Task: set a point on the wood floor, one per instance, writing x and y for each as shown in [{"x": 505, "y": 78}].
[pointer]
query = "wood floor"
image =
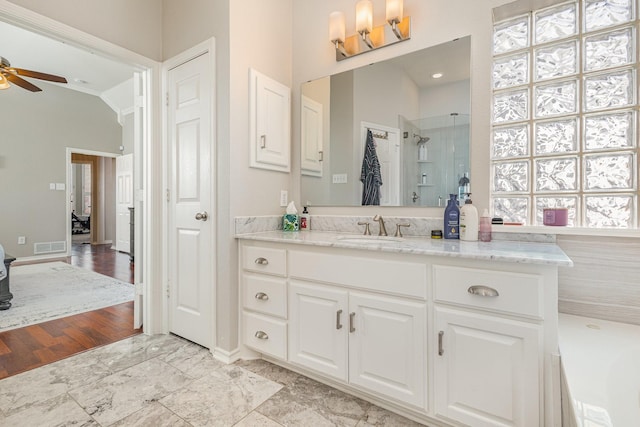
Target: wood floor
[{"x": 27, "y": 348}]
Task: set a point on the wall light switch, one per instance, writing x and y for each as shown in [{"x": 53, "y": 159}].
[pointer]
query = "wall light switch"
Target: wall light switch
[
  {"x": 60, "y": 186},
  {"x": 339, "y": 178},
  {"x": 52, "y": 186},
  {"x": 22, "y": 240},
  {"x": 284, "y": 197}
]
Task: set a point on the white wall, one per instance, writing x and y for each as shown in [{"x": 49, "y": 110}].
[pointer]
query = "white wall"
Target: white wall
[{"x": 134, "y": 25}]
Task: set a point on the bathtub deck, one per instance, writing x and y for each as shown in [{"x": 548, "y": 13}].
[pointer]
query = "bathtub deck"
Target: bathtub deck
[{"x": 600, "y": 363}]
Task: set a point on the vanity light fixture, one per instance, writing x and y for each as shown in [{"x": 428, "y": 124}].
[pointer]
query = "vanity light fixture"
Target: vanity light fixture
[{"x": 368, "y": 37}]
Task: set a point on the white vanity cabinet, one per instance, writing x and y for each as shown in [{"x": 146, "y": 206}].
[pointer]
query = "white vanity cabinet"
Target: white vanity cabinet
[
  {"x": 264, "y": 300},
  {"x": 350, "y": 320},
  {"x": 489, "y": 361},
  {"x": 444, "y": 339}
]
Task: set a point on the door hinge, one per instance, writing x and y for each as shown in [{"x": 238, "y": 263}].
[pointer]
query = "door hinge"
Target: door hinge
[
  {"x": 168, "y": 195},
  {"x": 168, "y": 289},
  {"x": 166, "y": 99}
]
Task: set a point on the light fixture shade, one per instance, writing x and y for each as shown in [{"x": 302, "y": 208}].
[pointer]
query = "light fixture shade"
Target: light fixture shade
[
  {"x": 336, "y": 27},
  {"x": 394, "y": 11},
  {"x": 364, "y": 16},
  {"x": 4, "y": 84}
]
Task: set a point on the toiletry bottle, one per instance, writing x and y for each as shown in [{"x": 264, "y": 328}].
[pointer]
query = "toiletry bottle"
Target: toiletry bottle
[
  {"x": 485, "y": 227},
  {"x": 452, "y": 218},
  {"x": 305, "y": 220},
  {"x": 464, "y": 188},
  {"x": 468, "y": 221}
]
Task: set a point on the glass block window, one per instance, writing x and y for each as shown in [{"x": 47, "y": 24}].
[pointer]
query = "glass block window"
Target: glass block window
[{"x": 565, "y": 114}]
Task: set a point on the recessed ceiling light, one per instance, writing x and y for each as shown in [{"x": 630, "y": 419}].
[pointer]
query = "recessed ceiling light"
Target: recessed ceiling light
[{"x": 437, "y": 75}]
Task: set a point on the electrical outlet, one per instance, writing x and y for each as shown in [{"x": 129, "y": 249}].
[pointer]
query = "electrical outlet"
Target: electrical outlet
[
  {"x": 284, "y": 197},
  {"x": 22, "y": 240}
]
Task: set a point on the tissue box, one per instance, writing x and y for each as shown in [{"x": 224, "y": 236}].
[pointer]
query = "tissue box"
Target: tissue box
[
  {"x": 555, "y": 216},
  {"x": 290, "y": 222}
]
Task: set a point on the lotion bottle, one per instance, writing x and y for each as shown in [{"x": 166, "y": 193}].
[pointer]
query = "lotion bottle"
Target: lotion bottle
[
  {"x": 468, "y": 221},
  {"x": 452, "y": 218}
]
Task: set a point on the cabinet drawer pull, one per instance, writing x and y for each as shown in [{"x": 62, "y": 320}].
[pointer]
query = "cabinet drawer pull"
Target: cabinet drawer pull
[
  {"x": 440, "y": 349},
  {"x": 262, "y": 296},
  {"x": 352, "y": 328},
  {"x": 261, "y": 335},
  {"x": 338, "y": 324},
  {"x": 262, "y": 261},
  {"x": 483, "y": 291}
]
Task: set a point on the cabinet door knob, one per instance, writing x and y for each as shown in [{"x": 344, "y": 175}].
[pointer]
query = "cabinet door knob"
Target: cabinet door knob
[
  {"x": 262, "y": 296},
  {"x": 262, "y": 335},
  {"x": 262, "y": 261},
  {"x": 440, "y": 348},
  {"x": 352, "y": 327},
  {"x": 338, "y": 324},
  {"x": 483, "y": 291}
]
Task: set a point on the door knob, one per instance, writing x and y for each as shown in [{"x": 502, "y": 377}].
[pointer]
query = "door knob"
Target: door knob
[{"x": 202, "y": 216}]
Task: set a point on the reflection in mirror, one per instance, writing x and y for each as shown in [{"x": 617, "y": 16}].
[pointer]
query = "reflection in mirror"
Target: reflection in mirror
[{"x": 419, "y": 125}]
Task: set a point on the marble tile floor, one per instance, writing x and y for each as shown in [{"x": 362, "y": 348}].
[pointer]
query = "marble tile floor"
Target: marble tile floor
[{"x": 164, "y": 380}]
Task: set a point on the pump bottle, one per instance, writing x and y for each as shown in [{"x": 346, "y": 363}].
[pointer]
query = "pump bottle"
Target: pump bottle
[{"x": 468, "y": 221}]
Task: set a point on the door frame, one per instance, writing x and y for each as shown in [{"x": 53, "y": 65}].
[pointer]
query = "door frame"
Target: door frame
[
  {"x": 69, "y": 164},
  {"x": 149, "y": 161},
  {"x": 208, "y": 46}
]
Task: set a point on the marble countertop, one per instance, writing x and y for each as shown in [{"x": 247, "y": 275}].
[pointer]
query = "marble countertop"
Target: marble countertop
[{"x": 507, "y": 251}]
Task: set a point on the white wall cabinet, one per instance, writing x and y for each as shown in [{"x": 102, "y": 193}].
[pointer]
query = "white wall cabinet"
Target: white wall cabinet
[
  {"x": 269, "y": 122},
  {"x": 448, "y": 341},
  {"x": 311, "y": 137}
]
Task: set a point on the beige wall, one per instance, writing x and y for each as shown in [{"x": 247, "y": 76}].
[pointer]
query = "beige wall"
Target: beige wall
[
  {"x": 135, "y": 25},
  {"x": 36, "y": 129}
]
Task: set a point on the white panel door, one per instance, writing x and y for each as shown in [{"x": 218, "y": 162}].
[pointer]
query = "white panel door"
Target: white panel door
[
  {"x": 124, "y": 200},
  {"x": 191, "y": 207},
  {"x": 311, "y": 137},
  {"x": 386, "y": 346},
  {"x": 488, "y": 372},
  {"x": 318, "y": 328}
]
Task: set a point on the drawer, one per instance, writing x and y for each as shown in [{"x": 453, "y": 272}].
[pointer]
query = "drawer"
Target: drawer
[
  {"x": 265, "y": 294},
  {"x": 264, "y": 260},
  {"x": 265, "y": 334},
  {"x": 517, "y": 293},
  {"x": 389, "y": 276}
]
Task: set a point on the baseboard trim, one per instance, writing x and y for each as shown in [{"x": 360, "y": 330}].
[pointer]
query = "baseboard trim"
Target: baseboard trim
[
  {"x": 39, "y": 258},
  {"x": 225, "y": 356}
]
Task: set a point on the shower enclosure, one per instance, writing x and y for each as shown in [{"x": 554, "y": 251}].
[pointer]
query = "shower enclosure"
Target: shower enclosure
[{"x": 435, "y": 155}]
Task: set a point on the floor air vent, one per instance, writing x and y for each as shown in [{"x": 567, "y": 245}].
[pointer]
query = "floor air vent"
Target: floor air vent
[{"x": 49, "y": 247}]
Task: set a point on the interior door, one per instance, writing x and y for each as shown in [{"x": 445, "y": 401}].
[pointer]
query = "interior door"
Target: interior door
[
  {"x": 124, "y": 200},
  {"x": 191, "y": 237}
]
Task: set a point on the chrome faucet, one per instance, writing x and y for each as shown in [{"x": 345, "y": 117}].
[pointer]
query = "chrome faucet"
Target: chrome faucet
[{"x": 383, "y": 230}]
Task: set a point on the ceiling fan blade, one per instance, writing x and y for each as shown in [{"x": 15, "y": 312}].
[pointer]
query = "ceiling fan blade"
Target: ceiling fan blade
[
  {"x": 21, "y": 82},
  {"x": 39, "y": 75}
]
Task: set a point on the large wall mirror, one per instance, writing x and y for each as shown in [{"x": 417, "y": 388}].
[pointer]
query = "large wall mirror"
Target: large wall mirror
[{"x": 419, "y": 124}]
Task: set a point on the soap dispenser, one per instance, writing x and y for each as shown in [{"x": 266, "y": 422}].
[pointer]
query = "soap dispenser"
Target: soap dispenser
[
  {"x": 452, "y": 218},
  {"x": 484, "y": 232}
]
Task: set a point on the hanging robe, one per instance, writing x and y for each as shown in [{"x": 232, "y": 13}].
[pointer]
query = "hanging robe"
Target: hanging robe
[{"x": 370, "y": 174}]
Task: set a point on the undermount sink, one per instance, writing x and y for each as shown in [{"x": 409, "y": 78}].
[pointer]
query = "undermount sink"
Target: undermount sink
[{"x": 369, "y": 239}]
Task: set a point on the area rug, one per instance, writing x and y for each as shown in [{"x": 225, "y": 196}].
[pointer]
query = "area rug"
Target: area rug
[{"x": 51, "y": 290}]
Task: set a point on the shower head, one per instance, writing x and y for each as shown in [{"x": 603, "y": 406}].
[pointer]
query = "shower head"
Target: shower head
[{"x": 421, "y": 139}]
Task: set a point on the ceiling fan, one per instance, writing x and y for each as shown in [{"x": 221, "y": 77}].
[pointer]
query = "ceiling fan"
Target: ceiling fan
[{"x": 11, "y": 74}]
